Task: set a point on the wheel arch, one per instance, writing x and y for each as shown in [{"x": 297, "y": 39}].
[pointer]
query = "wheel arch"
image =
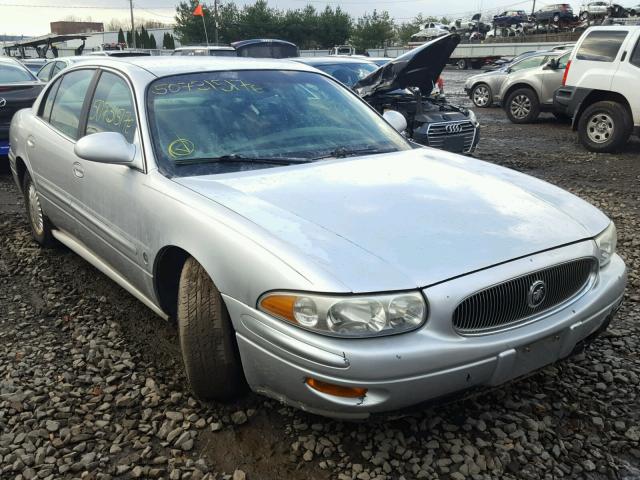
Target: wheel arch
[
  {"x": 516, "y": 86},
  {"x": 599, "y": 96},
  {"x": 21, "y": 170},
  {"x": 167, "y": 268}
]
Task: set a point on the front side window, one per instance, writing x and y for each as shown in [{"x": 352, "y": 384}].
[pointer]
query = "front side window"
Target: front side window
[
  {"x": 67, "y": 106},
  {"x": 10, "y": 73},
  {"x": 45, "y": 72},
  {"x": 217, "y": 122},
  {"x": 112, "y": 108},
  {"x": 528, "y": 63},
  {"x": 601, "y": 46}
]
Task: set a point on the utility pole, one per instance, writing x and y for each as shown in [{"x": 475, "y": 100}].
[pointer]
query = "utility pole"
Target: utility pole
[
  {"x": 133, "y": 28},
  {"x": 534, "y": 8},
  {"x": 215, "y": 20}
]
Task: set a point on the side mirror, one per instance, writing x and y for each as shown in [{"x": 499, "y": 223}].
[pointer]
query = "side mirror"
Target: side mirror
[
  {"x": 396, "y": 120},
  {"x": 552, "y": 65},
  {"x": 106, "y": 147}
]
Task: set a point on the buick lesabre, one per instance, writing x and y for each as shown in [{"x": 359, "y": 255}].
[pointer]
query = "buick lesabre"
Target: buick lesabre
[{"x": 304, "y": 247}]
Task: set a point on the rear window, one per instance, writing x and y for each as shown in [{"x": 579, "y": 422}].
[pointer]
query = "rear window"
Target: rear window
[
  {"x": 14, "y": 74},
  {"x": 601, "y": 46}
]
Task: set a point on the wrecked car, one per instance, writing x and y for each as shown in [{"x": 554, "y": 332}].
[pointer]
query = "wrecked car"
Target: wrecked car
[
  {"x": 303, "y": 246},
  {"x": 405, "y": 84}
]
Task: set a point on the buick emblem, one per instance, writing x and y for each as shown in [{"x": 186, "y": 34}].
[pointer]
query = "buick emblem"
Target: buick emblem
[
  {"x": 453, "y": 128},
  {"x": 537, "y": 294},
  {"x": 3, "y": 102}
]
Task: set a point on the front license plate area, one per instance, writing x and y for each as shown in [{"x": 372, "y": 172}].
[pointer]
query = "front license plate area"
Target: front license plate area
[
  {"x": 537, "y": 355},
  {"x": 454, "y": 144}
]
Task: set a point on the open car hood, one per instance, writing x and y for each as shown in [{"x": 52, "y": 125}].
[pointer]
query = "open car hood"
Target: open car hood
[{"x": 419, "y": 67}]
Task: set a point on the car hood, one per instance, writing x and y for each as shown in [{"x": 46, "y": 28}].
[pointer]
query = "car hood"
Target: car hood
[
  {"x": 401, "y": 220},
  {"x": 419, "y": 67}
]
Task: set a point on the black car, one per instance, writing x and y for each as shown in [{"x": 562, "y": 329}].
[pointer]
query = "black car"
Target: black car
[
  {"x": 554, "y": 13},
  {"x": 18, "y": 89},
  {"x": 510, "y": 18},
  {"x": 405, "y": 84}
]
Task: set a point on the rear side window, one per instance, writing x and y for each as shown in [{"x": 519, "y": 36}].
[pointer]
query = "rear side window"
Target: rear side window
[
  {"x": 112, "y": 108},
  {"x": 601, "y": 46},
  {"x": 67, "y": 106},
  {"x": 45, "y": 72},
  {"x": 635, "y": 58}
]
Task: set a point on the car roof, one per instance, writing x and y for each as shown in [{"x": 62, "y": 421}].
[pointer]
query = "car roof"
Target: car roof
[
  {"x": 161, "y": 66},
  {"x": 205, "y": 47},
  {"x": 331, "y": 60}
]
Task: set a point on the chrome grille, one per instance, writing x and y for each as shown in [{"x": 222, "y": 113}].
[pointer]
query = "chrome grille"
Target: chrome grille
[
  {"x": 507, "y": 304},
  {"x": 437, "y": 134}
]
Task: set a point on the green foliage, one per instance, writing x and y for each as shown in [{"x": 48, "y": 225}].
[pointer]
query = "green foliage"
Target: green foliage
[
  {"x": 168, "y": 41},
  {"x": 374, "y": 30},
  {"x": 152, "y": 42},
  {"x": 121, "y": 36},
  {"x": 129, "y": 39}
]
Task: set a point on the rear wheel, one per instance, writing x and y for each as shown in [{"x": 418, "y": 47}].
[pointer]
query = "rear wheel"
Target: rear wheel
[
  {"x": 462, "y": 64},
  {"x": 556, "y": 18},
  {"x": 207, "y": 338},
  {"x": 481, "y": 96},
  {"x": 605, "y": 127},
  {"x": 40, "y": 225},
  {"x": 522, "y": 106}
]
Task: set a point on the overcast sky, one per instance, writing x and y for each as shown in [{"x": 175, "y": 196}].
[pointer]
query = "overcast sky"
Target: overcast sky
[{"x": 32, "y": 17}]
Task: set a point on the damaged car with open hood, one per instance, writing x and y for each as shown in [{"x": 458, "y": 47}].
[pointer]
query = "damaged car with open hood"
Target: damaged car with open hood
[{"x": 405, "y": 84}]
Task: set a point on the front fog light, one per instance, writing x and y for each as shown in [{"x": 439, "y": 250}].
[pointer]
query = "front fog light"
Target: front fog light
[{"x": 607, "y": 242}]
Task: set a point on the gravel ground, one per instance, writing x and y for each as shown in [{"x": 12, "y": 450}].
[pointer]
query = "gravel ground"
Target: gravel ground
[{"x": 91, "y": 384}]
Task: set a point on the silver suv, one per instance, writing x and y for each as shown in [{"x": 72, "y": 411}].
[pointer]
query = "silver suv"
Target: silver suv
[{"x": 527, "y": 93}]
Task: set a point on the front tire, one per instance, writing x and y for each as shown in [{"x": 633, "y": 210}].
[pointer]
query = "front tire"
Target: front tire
[
  {"x": 481, "y": 96},
  {"x": 462, "y": 64},
  {"x": 40, "y": 224},
  {"x": 522, "y": 106},
  {"x": 207, "y": 338},
  {"x": 604, "y": 127}
]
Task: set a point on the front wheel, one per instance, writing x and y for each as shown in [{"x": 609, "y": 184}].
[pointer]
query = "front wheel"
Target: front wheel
[
  {"x": 40, "y": 225},
  {"x": 604, "y": 127},
  {"x": 462, "y": 64},
  {"x": 207, "y": 338},
  {"x": 522, "y": 106},
  {"x": 481, "y": 96}
]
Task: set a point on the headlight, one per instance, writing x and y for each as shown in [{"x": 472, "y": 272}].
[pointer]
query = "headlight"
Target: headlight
[
  {"x": 606, "y": 243},
  {"x": 473, "y": 118},
  {"x": 348, "y": 316}
]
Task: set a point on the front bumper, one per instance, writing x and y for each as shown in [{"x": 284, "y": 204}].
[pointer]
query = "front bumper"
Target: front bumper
[{"x": 407, "y": 369}]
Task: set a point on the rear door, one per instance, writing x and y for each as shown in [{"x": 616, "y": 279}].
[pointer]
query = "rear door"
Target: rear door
[
  {"x": 51, "y": 142},
  {"x": 593, "y": 66},
  {"x": 626, "y": 78}
]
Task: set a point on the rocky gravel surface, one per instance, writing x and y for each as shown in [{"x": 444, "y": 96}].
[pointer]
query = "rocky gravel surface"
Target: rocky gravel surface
[{"x": 91, "y": 384}]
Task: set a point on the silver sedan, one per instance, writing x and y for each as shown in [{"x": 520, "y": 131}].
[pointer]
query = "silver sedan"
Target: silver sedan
[{"x": 303, "y": 246}]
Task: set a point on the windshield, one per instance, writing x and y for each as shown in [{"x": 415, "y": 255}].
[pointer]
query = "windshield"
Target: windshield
[
  {"x": 218, "y": 122},
  {"x": 14, "y": 74},
  {"x": 348, "y": 73}
]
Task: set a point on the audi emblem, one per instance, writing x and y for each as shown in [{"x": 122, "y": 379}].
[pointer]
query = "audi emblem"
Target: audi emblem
[
  {"x": 3, "y": 102},
  {"x": 453, "y": 128}
]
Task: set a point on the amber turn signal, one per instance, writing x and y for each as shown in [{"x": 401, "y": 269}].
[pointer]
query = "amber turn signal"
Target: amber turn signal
[
  {"x": 280, "y": 305},
  {"x": 336, "y": 390}
]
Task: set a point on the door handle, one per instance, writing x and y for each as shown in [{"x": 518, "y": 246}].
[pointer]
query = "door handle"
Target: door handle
[
  {"x": 78, "y": 171},
  {"x": 31, "y": 142}
]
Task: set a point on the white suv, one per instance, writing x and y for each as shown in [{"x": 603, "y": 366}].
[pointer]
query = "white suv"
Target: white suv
[{"x": 600, "y": 87}]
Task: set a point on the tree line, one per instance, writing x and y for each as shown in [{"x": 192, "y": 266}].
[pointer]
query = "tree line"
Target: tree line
[
  {"x": 144, "y": 39},
  {"x": 307, "y": 27}
]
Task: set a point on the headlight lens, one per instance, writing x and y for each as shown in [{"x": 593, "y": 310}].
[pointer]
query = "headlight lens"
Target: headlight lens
[
  {"x": 607, "y": 242},
  {"x": 348, "y": 316}
]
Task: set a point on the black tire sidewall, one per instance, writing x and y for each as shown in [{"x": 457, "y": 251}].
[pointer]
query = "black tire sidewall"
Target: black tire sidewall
[
  {"x": 45, "y": 239},
  {"x": 535, "y": 106},
  {"x": 622, "y": 125}
]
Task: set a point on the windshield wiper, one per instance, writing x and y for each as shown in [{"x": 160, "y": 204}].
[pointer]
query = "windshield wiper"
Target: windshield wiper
[
  {"x": 241, "y": 159},
  {"x": 343, "y": 152}
]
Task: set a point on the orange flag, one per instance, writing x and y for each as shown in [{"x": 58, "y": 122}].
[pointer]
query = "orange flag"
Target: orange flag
[{"x": 198, "y": 11}]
